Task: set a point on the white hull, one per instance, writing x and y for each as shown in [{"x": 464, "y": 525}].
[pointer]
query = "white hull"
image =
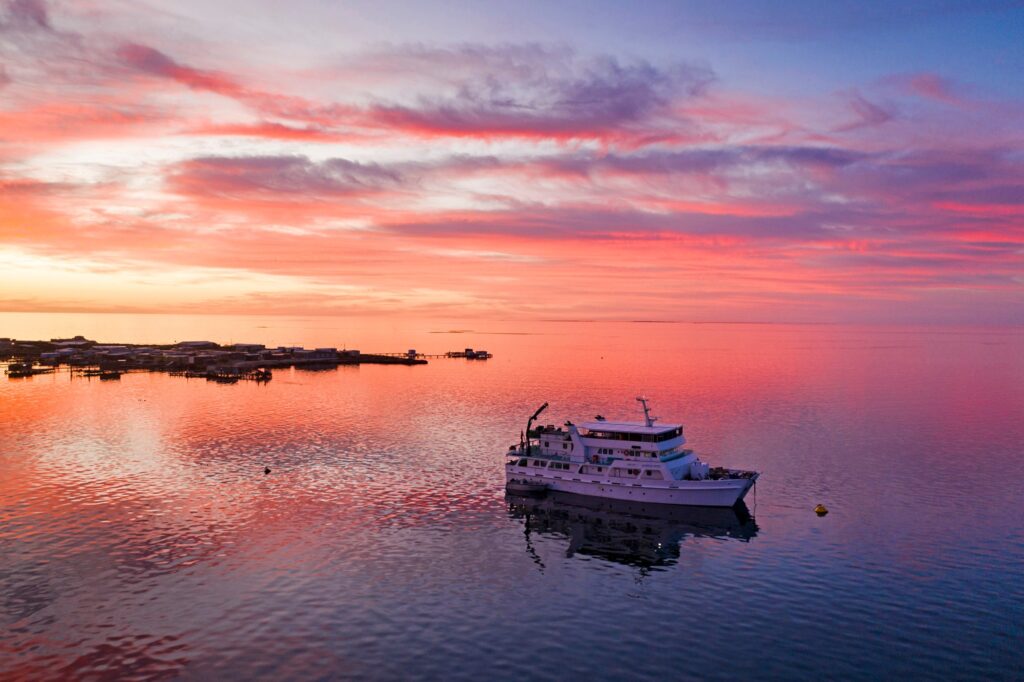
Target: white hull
[{"x": 707, "y": 493}]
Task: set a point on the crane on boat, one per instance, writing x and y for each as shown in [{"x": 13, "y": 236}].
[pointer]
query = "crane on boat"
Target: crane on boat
[{"x": 529, "y": 423}]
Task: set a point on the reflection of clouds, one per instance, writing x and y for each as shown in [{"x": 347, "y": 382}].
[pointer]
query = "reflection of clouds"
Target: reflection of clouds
[
  {"x": 139, "y": 513},
  {"x": 140, "y": 522}
]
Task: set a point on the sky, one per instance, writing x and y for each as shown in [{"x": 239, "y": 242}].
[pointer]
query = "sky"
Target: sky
[{"x": 841, "y": 162}]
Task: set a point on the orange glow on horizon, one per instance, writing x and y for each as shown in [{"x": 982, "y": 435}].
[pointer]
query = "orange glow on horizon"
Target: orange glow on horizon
[{"x": 515, "y": 180}]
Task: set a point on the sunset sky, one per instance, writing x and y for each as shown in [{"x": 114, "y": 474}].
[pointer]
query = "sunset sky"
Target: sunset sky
[{"x": 684, "y": 160}]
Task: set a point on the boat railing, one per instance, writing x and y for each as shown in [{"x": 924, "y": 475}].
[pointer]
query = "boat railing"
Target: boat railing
[
  {"x": 721, "y": 473},
  {"x": 536, "y": 453}
]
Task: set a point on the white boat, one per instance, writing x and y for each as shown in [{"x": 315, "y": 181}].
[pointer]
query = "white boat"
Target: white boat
[{"x": 637, "y": 461}]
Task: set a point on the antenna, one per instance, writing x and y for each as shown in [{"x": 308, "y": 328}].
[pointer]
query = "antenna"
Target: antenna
[{"x": 648, "y": 419}]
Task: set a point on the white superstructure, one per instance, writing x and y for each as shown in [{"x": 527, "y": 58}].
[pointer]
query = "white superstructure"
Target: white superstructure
[{"x": 640, "y": 461}]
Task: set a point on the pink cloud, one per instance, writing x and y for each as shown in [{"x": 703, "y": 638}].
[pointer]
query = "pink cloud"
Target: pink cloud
[
  {"x": 153, "y": 62},
  {"x": 437, "y": 167},
  {"x": 933, "y": 86}
]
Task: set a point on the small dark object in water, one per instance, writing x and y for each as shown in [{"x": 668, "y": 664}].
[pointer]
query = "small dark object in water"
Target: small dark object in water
[
  {"x": 820, "y": 510},
  {"x": 266, "y": 470}
]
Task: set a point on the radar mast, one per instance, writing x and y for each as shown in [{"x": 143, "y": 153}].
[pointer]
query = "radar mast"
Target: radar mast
[{"x": 648, "y": 419}]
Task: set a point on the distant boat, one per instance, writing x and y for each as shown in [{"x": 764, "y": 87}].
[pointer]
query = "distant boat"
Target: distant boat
[
  {"x": 636, "y": 461},
  {"x": 18, "y": 370}
]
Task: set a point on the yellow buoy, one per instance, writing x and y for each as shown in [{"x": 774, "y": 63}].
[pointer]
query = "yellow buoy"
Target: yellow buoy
[{"x": 820, "y": 510}]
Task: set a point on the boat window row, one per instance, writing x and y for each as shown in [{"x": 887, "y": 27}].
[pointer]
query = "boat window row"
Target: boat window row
[
  {"x": 637, "y": 437},
  {"x": 635, "y": 452},
  {"x": 543, "y": 463},
  {"x": 640, "y": 453},
  {"x": 632, "y": 473}
]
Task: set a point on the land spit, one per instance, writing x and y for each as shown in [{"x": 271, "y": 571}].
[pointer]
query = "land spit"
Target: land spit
[{"x": 225, "y": 363}]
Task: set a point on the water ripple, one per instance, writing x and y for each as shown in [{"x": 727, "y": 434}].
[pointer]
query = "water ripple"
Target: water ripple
[{"x": 140, "y": 538}]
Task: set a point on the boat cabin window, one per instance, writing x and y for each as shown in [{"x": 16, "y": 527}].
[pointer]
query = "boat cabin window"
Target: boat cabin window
[
  {"x": 539, "y": 463},
  {"x": 637, "y": 437}
]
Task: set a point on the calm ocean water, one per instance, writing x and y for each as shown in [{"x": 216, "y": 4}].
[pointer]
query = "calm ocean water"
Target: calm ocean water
[{"x": 139, "y": 537}]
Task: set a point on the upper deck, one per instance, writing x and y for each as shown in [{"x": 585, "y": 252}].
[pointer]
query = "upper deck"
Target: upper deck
[{"x": 630, "y": 431}]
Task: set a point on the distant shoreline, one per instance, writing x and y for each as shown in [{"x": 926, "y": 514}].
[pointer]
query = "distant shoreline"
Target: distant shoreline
[{"x": 208, "y": 359}]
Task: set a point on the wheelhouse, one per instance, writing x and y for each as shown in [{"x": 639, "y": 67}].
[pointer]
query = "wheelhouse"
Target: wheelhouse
[{"x": 630, "y": 432}]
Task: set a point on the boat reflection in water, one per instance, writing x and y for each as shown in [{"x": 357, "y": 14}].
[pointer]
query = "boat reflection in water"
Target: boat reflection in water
[{"x": 631, "y": 533}]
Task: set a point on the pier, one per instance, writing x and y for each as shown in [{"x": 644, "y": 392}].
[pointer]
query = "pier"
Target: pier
[{"x": 467, "y": 353}]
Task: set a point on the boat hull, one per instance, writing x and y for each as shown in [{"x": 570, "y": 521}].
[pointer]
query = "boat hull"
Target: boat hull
[
  {"x": 726, "y": 492},
  {"x": 518, "y": 487}
]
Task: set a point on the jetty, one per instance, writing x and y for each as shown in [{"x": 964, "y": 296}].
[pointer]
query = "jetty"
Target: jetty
[
  {"x": 469, "y": 354},
  {"x": 412, "y": 353}
]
